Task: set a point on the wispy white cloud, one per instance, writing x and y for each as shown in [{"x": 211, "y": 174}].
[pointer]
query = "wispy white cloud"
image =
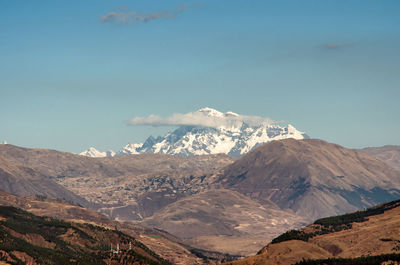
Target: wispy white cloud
[
  {"x": 333, "y": 46},
  {"x": 124, "y": 16},
  {"x": 200, "y": 118}
]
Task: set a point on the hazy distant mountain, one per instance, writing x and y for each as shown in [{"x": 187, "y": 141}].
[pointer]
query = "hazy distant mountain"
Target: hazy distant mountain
[
  {"x": 390, "y": 154},
  {"x": 312, "y": 177},
  {"x": 232, "y": 136}
]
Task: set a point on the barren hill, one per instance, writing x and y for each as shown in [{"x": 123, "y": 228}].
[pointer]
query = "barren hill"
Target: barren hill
[
  {"x": 20, "y": 179},
  {"x": 219, "y": 219},
  {"x": 127, "y": 188},
  {"x": 390, "y": 154},
  {"x": 62, "y": 164},
  {"x": 312, "y": 177}
]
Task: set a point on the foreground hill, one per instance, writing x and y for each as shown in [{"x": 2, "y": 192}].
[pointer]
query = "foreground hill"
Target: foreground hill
[
  {"x": 312, "y": 177},
  {"x": 390, "y": 154},
  {"x": 160, "y": 242},
  {"x": 373, "y": 232},
  {"x": 29, "y": 239}
]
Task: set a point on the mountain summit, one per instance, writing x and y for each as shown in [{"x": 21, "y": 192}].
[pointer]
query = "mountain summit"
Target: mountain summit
[{"x": 208, "y": 131}]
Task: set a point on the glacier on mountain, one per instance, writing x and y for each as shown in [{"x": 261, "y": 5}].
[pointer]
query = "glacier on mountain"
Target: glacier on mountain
[
  {"x": 230, "y": 133},
  {"x": 93, "y": 152}
]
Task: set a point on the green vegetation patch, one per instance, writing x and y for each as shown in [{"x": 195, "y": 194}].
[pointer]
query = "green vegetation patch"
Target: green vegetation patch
[{"x": 359, "y": 216}]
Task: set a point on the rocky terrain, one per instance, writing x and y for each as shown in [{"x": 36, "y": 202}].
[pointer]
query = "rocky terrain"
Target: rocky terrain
[{"x": 368, "y": 234}]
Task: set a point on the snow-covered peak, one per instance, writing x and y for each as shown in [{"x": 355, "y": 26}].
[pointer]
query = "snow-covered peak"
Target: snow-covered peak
[
  {"x": 232, "y": 114},
  {"x": 129, "y": 149},
  {"x": 208, "y": 131},
  {"x": 93, "y": 152},
  {"x": 210, "y": 112}
]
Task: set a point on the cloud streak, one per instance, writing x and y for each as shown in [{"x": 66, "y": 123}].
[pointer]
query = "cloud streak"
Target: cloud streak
[
  {"x": 335, "y": 46},
  {"x": 200, "y": 118},
  {"x": 125, "y": 16}
]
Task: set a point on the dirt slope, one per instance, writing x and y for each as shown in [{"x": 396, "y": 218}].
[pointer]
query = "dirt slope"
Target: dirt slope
[{"x": 312, "y": 177}]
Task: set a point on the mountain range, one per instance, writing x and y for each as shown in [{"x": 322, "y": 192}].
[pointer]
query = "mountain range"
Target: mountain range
[
  {"x": 229, "y": 134},
  {"x": 301, "y": 179}
]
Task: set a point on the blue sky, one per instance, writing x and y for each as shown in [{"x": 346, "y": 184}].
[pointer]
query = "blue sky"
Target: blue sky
[{"x": 72, "y": 72}]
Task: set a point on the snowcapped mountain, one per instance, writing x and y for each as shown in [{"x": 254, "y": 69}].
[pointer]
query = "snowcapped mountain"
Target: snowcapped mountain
[
  {"x": 93, "y": 152},
  {"x": 228, "y": 133}
]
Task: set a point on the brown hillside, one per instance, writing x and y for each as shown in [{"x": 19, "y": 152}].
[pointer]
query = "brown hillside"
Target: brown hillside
[
  {"x": 29, "y": 239},
  {"x": 390, "y": 154},
  {"x": 19, "y": 179},
  {"x": 167, "y": 246},
  {"x": 219, "y": 219},
  {"x": 127, "y": 187},
  {"x": 380, "y": 234},
  {"x": 312, "y": 177}
]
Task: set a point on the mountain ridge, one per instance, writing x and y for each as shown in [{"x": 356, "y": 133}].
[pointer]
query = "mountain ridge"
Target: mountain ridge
[{"x": 312, "y": 177}]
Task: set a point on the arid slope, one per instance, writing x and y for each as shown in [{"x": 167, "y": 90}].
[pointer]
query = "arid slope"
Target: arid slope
[
  {"x": 379, "y": 234},
  {"x": 312, "y": 177},
  {"x": 208, "y": 218},
  {"x": 390, "y": 154}
]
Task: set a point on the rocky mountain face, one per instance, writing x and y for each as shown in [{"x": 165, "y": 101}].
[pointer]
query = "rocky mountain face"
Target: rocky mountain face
[
  {"x": 364, "y": 237},
  {"x": 390, "y": 154},
  {"x": 231, "y": 135},
  {"x": 312, "y": 177}
]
